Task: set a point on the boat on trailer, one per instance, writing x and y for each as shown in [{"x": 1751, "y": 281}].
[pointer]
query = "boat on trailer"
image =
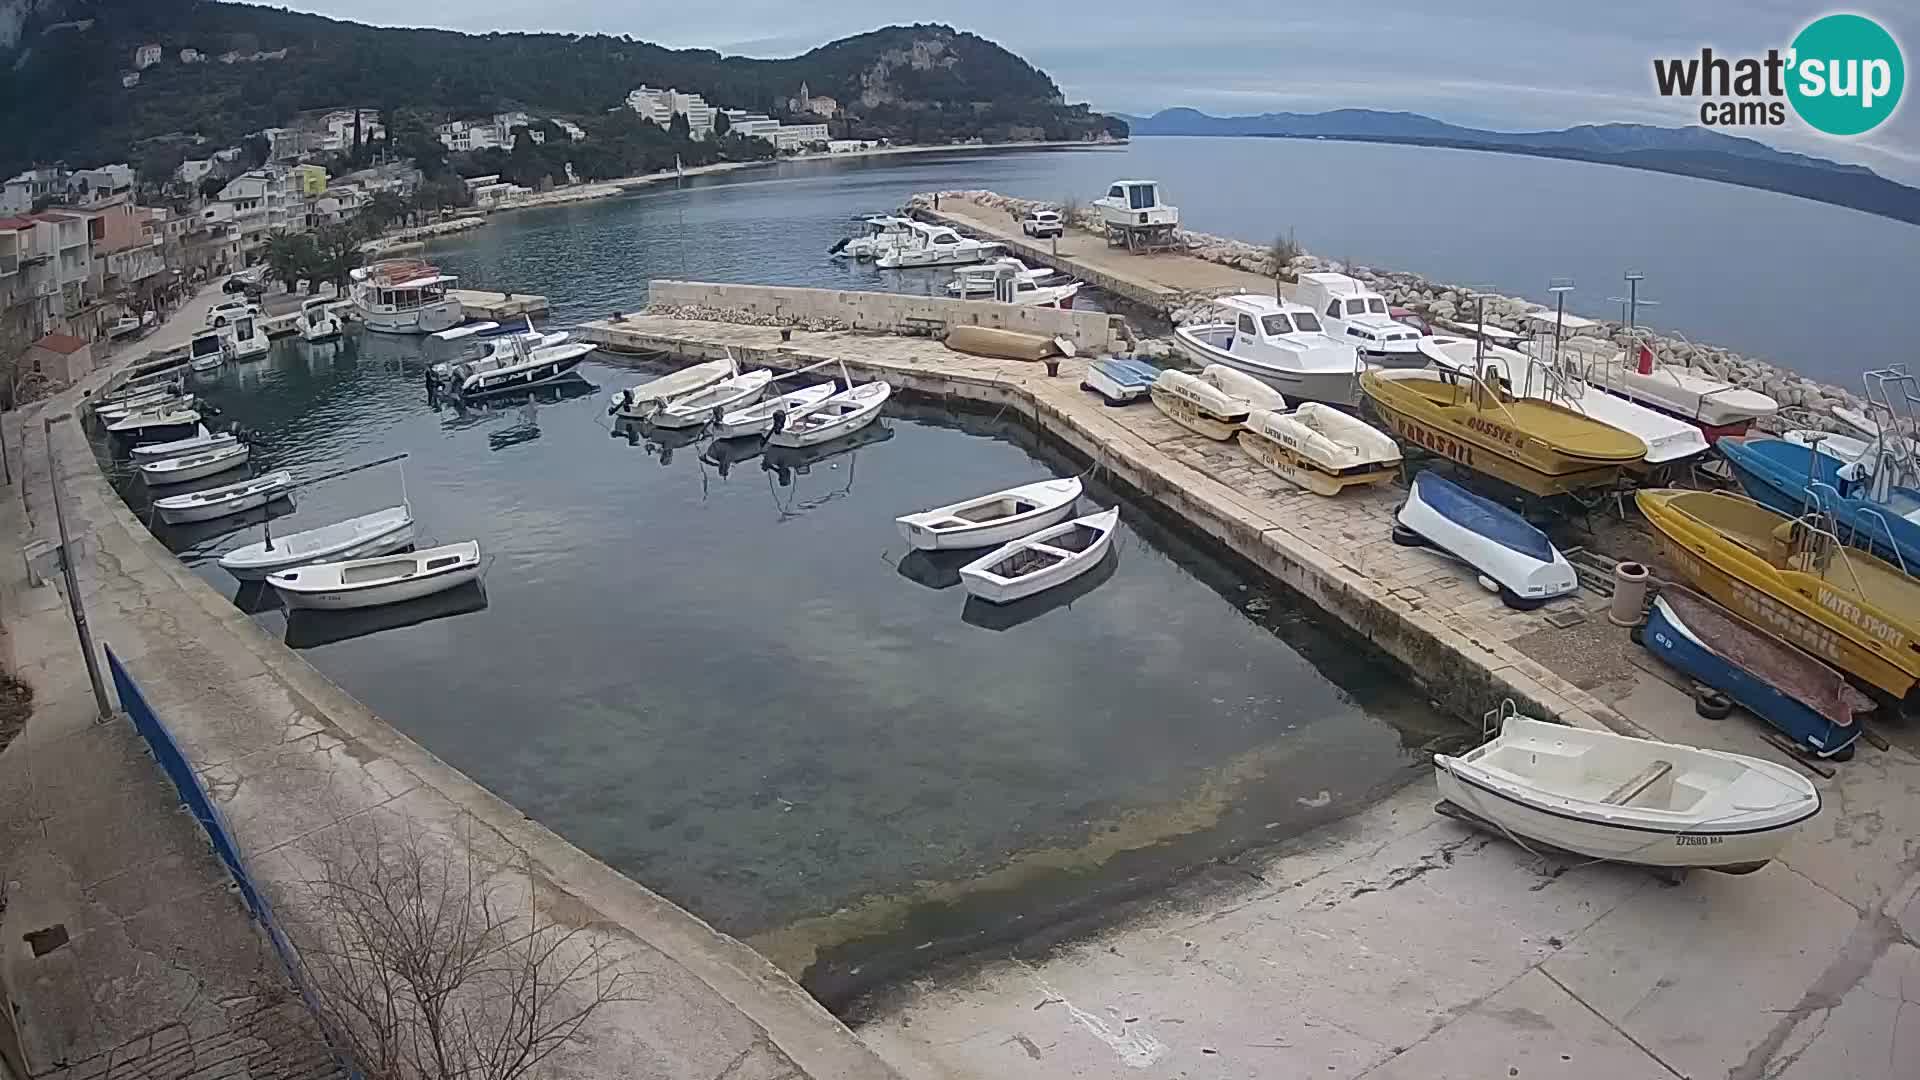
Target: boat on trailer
[
  {"x": 1359, "y": 315},
  {"x": 388, "y": 579},
  {"x": 1199, "y": 405},
  {"x": 1717, "y": 407},
  {"x": 219, "y": 502},
  {"x": 1320, "y": 448},
  {"x": 1050, "y": 557},
  {"x": 989, "y": 520},
  {"x": 378, "y": 533},
  {"x": 1119, "y": 379},
  {"x": 1495, "y": 541}
]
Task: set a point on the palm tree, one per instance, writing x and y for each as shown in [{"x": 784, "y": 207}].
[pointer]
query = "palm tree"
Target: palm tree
[
  {"x": 290, "y": 257},
  {"x": 336, "y": 254}
]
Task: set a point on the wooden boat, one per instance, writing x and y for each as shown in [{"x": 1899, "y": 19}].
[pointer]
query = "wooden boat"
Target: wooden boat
[
  {"x": 165, "y": 424},
  {"x": 157, "y": 401},
  {"x": 1236, "y": 383},
  {"x": 1119, "y": 379},
  {"x": 201, "y": 439},
  {"x": 1537, "y": 446},
  {"x": 1050, "y": 557},
  {"x": 1492, "y": 539},
  {"x": 389, "y": 579},
  {"x": 991, "y": 520},
  {"x": 377, "y": 533},
  {"x": 1004, "y": 344},
  {"x": 1200, "y": 406},
  {"x": 198, "y": 465},
  {"x": 695, "y": 409},
  {"x": 1809, "y": 702},
  {"x": 1795, "y": 578},
  {"x": 842, "y": 414},
  {"x": 758, "y": 418},
  {"x": 638, "y": 402},
  {"x": 1607, "y": 796},
  {"x": 222, "y": 501},
  {"x": 1320, "y": 448}
]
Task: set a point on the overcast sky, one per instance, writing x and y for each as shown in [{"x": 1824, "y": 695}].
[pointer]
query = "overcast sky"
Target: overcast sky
[{"x": 1507, "y": 64}]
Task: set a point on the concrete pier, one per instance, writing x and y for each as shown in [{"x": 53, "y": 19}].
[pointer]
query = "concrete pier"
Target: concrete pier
[{"x": 499, "y": 306}]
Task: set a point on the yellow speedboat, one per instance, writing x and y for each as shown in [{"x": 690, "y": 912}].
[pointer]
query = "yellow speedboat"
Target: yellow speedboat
[
  {"x": 1537, "y": 446},
  {"x": 1792, "y": 577}
]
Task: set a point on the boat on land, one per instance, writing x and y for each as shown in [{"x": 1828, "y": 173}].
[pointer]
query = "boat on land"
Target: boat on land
[
  {"x": 165, "y": 423},
  {"x": 201, "y": 439},
  {"x": 1717, "y": 407},
  {"x": 378, "y": 533},
  {"x": 246, "y": 341},
  {"x": 208, "y": 352},
  {"x": 219, "y": 502},
  {"x": 405, "y": 296},
  {"x": 1280, "y": 343},
  {"x": 1120, "y": 379},
  {"x": 1198, "y": 405},
  {"x": 842, "y": 414},
  {"x": 1843, "y": 449},
  {"x": 1495, "y": 541},
  {"x": 518, "y": 367},
  {"x": 198, "y": 465},
  {"x": 990, "y": 520},
  {"x": 695, "y": 409},
  {"x": 1053, "y": 556},
  {"x": 1320, "y": 448},
  {"x": 1236, "y": 383},
  {"x": 999, "y": 344},
  {"x": 639, "y": 402},
  {"x": 934, "y": 245},
  {"x": 387, "y": 579},
  {"x": 1540, "y": 447},
  {"x": 1608, "y": 796},
  {"x": 1871, "y": 510},
  {"x": 1794, "y": 577},
  {"x": 1360, "y": 316},
  {"x": 763, "y": 416},
  {"x": 317, "y": 323},
  {"x": 1809, "y": 702}
]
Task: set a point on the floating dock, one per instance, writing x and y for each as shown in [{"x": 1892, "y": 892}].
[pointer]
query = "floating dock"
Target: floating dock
[
  {"x": 499, "y": 307},
  {"x": 1464, "y": 647}
]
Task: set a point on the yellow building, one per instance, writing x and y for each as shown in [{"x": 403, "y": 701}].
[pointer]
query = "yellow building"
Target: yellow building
[{"x": 310, "y": 180}]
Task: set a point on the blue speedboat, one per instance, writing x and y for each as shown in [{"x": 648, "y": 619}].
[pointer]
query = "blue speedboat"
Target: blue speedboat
[
  {"x": 1793, "y": 479},
  {"x": 1809, "y": 702}
]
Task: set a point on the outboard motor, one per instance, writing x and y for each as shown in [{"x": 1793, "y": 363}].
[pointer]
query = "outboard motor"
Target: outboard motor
[
  {"x": 779, "y": 422},
  {"x": 840, "y": 246},
  {"x": 620, "y": 401}
]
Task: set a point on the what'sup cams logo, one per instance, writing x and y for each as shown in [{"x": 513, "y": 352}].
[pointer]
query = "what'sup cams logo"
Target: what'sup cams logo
[{"x": 1842, "y": 75}]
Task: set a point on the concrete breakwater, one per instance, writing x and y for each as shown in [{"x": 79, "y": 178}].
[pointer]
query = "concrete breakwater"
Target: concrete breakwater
[{"x": 400, "y": 238}]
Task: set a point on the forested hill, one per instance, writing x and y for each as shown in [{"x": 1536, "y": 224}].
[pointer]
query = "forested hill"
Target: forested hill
[{"x": 61, "y": 92}]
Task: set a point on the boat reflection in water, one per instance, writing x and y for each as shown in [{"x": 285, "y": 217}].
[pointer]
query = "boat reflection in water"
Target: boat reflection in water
[
  {"x": 658, "y": 442},
  {"x": 935, "y": 569},
  {"x": 307, "y": 629},
  {"x": 466, "y": 412},
  {"x": 724, "y": 454},
  {"x": 989, "y": 616},
  {"x": 786, "y": 462}
]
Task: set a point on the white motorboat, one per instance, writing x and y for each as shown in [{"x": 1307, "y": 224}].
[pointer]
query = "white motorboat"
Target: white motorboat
[
  {"x": 1281, "y": 344},
  {"x": 245, "y": 340},
  {"x": 497, "y": 351},
  {"x": 219, "y": 502},
  {"x": 198, "y": 465},
  {"x": 317, "y": 324},
  {"x": 1608, "y": 796},
  {"x": 1900, "y": 445},
  {"x": 842, "y": 414},
  {"x": 639, "y": 402},
  {"x": 1201, "y": 406},
  {"x": 883, "y": 233},
  {"x": 1495, "y": 541},
  {"x": 1133, "y": 204},
  {"x": 1236, "y": 383},
  {"x": 155, "y": 400},
  {"x": 388, "y": 579},
  {"x": 1718, "y": 407},
  {"x": 1120, "y": 379},
  {"x": 1844, "y": 449},
  {"x": 935, "y": 245},
  {"x": 695, "y": 409},
  {"x": 405, "y": 296},
  {"x": 161, "y": 424},
  {"x": 1320, "y": 448},
  {"x": 467, "y": 330},
  {"x": 761, "y": 416},
  {"x": 378, "y": 533},
  {"x": 1050, "y": 557},
  {"x": 519, "y": 368},
  {"x": 208, "y": 352},
  {"x": 1351, "y": 311},
  {"x": 201, "y": 439},
  {"x": 1010, "y": 281},
  {"x": 990, "y": 520}
]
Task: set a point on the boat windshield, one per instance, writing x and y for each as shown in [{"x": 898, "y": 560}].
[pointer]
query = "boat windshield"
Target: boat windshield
[
  {"x": 1276, "y": 325},
  {"x": 1376, "y": 305},
  {"x": 1309, "y": 322},
  {"x": 1142, "y": 197}
]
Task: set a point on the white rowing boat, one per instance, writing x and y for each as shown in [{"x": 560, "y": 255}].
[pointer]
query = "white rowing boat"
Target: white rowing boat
[
  {"x": 195, "y": 466},
  {"x": 221, "y": 501},
  {"x": 760, "y": 417},
  {"x": 693, "y": 410},
  {"x": 201, "y": 439},
  {"x": 638, "y": 402},
  {"x": 1239, "y": 384},
  {"x": 1039, "y": 562},
  {"x": 991, "y": 520},
  {"x": 378, "y": 533},
  {"x": 155, "y": 425},
  {"x": 389, "y": 579},
  {"x": 842, "y": 414}
]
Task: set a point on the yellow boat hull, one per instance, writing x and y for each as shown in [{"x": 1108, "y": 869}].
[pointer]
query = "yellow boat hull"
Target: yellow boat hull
[{"x": 1861, "y": 615}]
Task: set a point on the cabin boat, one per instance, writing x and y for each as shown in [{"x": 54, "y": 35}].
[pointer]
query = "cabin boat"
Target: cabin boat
[
  {"x": 387, "y": 579},
  {"x": 1612, "y": 797},
  {"x": 248, "y": 343},
  {"x": 1120, "y": 379},
  {"x": 883, "y": 233},
  {"x": 1794, "y": 576},
  {"x": 1352, "y": 312},
  {"x": 990, "y": 520},
  {"x": 405, "y": 296},
  {"x": 1280, "y": 343},
  {"x": 639, "y": 402},
  {"x": 518, "y": 367},
  {"x": 1492, "y": 539},
  {"x": 842, "y": 414},
  {"x": 378, "y": 533},
  {"x": 495, "y": 351},
  {"x": 317, "y": 324},
  {"x": 727, "y": 395},
  {"x": 1050, "y": 557},
  {"x": 1132, "y": 212},
  {"x": 197, "y": 465},
  {"x": 1009, "y": 281},
  {"x": 207, "y": 352},
  {"x": 1320, "y": 448},
  {"x": 1874, "y": 511},
  {"x": 934, "y": 245},
  {"x": 1540, "y": 447},
  {"x": 219, "y": 502},
  {"x": 1717, "y": 407},
  {"x": 1199, "y": 405}
]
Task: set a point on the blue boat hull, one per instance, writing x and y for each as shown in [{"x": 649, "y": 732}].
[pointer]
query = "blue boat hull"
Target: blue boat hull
[
  {"x": 1776, "y": 474},
  {"x": 1679, "y": 650}
]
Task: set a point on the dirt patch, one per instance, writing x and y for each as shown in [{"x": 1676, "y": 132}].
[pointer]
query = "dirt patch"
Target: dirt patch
[{"x": 16, "y": 704}]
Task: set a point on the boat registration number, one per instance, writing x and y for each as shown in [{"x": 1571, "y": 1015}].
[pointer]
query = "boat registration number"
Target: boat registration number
[{"x": 1698, "y": 841}]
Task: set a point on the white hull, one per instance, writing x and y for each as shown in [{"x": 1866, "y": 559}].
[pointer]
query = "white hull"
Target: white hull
[
  {"x": 964, "y": 254},
  {"x": 252, "y": 348},
  {"x": 155, "y": 425},
  {"x": 201, "y": 439},
  {"x": 391, "y": 579},
  {"x": 693, "y": 410},
  {"x": 207, "y": 363},
  {"x": 1667, "y": 439},
  {"x": 223, "y": 501},
  {"x": 991, "y": 520},
  {"x": 431, "y": 319},
  {"x": 1329, "y": 387},
  {"x": 1236, "y": 383},
  {"x": 1199, "y": 406},
  {"x": 1320, "y": 448},
  {"x": 757, "y": 419},
  {"x": 1529, "y": 578},
  {"x": 1048, "y": 558},
  {"x": 1684, "y": 393},
  {"x": 372, "y": 534},
  {"x": 211, "y": 461},
  {"x": 842, "y": 414},
  {"x": 637, "y": 403},
  {"x": 327, "y": 330}
]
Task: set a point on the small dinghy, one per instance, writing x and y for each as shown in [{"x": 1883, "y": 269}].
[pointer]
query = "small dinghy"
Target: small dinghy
[
  {"x": 727, "y": 395},
  {"x": 1120, "y": 379},
  {"x": 638, "y": 402},
  {"x": 759, "y": 418},
  {"x": 378, "y": 533},
  {"x": 165, "y": 425},
  {"x": 194, "y": 466},
  {"x": 991, "y": 520},
  {"x": 1320, "y": 448},
  {"x": 389, "y": 579},
  {"x": 842, "y": 414},
  {"x": 1492, "y": 539},
  {"x": 1239, "y": 384},
  {"x": 1198, "y": 405},
  {"x": 1607, "y": 796},
  {"x": 1049, "y": 557},
  {"x": 1809, "y": 702},
  {"x": 201, "y": 439},
  {"x": 165, "y": 401},
  {"x": 221, "y": 501}
]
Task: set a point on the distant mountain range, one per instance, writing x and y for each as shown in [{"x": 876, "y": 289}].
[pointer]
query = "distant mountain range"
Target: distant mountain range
[{"x": 1688, "y": 151}]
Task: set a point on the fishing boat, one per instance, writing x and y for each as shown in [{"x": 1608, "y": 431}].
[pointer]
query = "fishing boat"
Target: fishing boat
[
  {"x": 1608, "y": 796},
  {"x": 405, "y": 296},
  {"x": 695, "y": 409},
  {"x": 639, "y": 402},
  {"x": 201, "y": 439},
  {"x": 1278, "y": 342},
  {"x": 1120, "y": 379},
  {"x": 934, "y": 245},
  {"x": 842, "y": 414},
  {"x": 160, "y": 424},
  {"x": 219, "y": 502},
  {"x": 1717, "y": 407},
  {"x": 761, "y": 416},
  {"x": 1537, "y": 446},
  {"x": 1199, "y": 405},
  {"x": 378, "y": 533},
  {"x": 999, "y": 344},
  {"x": 1050, "y": 557},
  {"x": 245, "y": 340},
  {"x": 1809, "y": 702},
  {"x": 1793, "y": 576},
  {"x": 210, "y": 461},
  {"x": 1320, "y": 448},
  {"x": 1492, "y": 539},
  {"x": 520, "y": 367},
  {"x": 990, "y": 520},
  {"x": 317, "y": 324},
  {"x": 1359, "y": 315},
  {"x": 207, "y": 352},
  {"x": 1873, "y": 512},
  {"x": 388, "y": 579}
]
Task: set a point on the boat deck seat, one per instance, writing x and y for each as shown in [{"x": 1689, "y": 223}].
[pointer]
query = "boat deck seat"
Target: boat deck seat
[{"x": 1638, "y": 784}]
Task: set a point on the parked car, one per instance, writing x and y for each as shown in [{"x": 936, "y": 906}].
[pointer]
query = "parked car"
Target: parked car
[
  {"x": 244, "y": 280},
  {"x": 227, "y": 310},
  {"x": 1042, "y": 224}
]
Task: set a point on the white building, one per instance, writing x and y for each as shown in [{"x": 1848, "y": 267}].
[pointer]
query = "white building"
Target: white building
[
  {"x": 263, "y": 204},
  {"x": 575, "y": 132},
  {"x": 21, "y": 192},
  {"x": 742, "y": 122},
  {"x": 660, "y": 105},
  {"x": 462, "y": 137},
  {"x": 146, "y": 56},
  {"x": 337, "y": 130},
  {"x": 192, "y": 56},
  {"x": 798, "y": 136},
  {"x": 192, "y": 172}
]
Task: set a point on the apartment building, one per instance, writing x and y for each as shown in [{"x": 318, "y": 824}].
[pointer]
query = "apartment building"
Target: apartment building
[{"x": 659, "y": 106}]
